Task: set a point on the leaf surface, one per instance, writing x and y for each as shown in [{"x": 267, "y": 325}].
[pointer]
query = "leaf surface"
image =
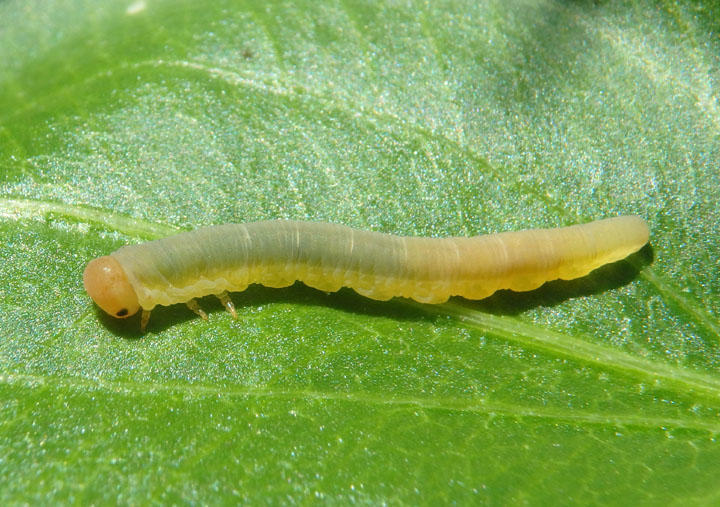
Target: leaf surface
[{"x": 127, "y": 121}]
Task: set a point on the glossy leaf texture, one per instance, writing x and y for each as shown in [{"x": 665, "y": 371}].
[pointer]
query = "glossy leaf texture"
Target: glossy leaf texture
[{"x": 122, "y": 121}]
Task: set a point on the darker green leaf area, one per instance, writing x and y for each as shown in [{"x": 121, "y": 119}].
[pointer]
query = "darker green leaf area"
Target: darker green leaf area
[
  {"x": 126, "y": 121},
  {"x": 206, "y": 443}
]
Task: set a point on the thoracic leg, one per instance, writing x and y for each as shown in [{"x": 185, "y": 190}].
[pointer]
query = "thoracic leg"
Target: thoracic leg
[
  {"x": 194, "y": 306},
  {"x": 144, "y": 318},
  {"x": 224, "y": 298}
]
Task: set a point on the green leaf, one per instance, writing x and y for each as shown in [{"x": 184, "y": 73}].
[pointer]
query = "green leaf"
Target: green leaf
[{"x": 122, "y": 121}]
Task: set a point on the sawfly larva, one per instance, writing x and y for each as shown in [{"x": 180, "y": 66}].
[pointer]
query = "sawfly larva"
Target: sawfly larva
[{"x": 227, "y": 258}]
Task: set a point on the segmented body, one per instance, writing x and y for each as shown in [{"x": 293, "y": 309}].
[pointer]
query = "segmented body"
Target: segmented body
[{"x": 221, "y": 258}]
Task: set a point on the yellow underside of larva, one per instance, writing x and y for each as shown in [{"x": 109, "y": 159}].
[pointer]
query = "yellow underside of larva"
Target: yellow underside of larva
[{"x": 368, "y": 285}]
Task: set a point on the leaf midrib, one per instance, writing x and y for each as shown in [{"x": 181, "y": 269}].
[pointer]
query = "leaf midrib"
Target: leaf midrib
[
  {"x": 470, "y": 405},
  {"x": 582, "y": 349}
]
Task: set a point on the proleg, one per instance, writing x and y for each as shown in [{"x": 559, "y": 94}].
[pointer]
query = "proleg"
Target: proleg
[{"x": 227, "y": 258}]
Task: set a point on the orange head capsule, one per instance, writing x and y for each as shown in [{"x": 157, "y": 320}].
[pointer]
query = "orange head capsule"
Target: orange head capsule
[{"x": 107, "y": 284}]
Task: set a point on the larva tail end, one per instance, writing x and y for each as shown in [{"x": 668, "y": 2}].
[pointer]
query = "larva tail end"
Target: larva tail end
[
  {"x": 644, "y": 231},
  {"x": 107, "y": 284}
]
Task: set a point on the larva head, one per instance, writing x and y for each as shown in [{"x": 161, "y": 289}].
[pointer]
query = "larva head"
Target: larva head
[{"x": 107, "y": 284}]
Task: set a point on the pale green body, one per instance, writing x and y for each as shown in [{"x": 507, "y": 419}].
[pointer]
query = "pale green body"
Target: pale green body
[{"x": 229, "y": 257}]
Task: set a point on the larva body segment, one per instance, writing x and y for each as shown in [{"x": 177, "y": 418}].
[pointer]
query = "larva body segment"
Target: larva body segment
[{"x": 213, "y": 260}]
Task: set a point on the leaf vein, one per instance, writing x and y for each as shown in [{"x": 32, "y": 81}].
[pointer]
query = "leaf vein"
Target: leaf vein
[
  {"x": 580, "y": 349},
  {"x": 478, "y": 406}
]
